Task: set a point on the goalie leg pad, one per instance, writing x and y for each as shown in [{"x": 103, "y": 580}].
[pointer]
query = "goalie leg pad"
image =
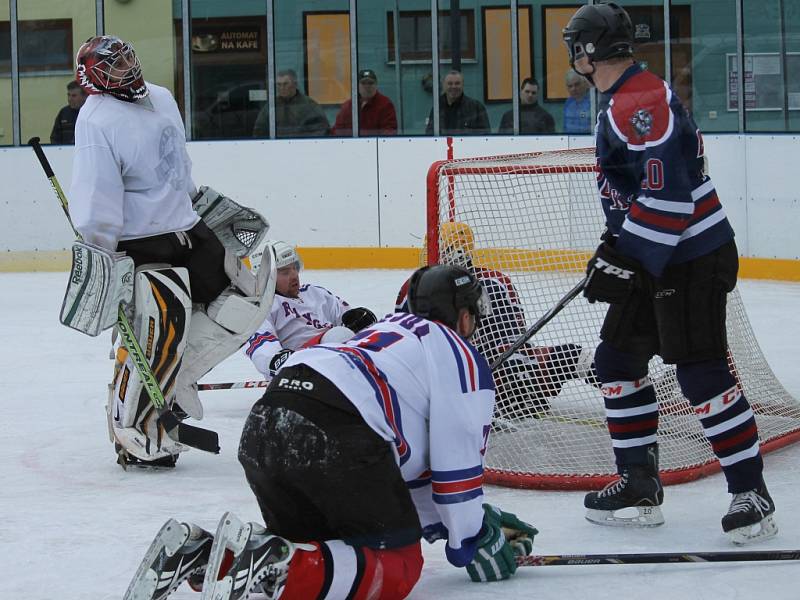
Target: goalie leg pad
[
  {"x": 162, "y": 313},
  {"x": 99, "y": 281},
  {"x": 210, "y": 342}
]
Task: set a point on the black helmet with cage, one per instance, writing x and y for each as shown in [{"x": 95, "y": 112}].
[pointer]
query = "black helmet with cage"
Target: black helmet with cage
[
  {"x": 599, "y": 32},
  {"x": 439, "y": 292}
]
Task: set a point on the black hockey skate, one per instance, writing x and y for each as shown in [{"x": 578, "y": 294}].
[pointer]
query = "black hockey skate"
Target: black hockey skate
[
  {"x": 245, "y": 558},
  {"x": 750, "y": 516},
  {"x": 179, "y": 552},
  {"x": 638, "y": 487}
]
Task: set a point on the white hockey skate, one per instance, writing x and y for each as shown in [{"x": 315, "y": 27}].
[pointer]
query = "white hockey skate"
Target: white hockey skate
[
  {"x": 179, "y": 552},
  {"x": 245, "y": 558},
  {"x": 750, "y": 517}
]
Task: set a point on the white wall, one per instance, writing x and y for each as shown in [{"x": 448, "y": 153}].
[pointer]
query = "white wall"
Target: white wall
[{"x": 371, "y": 192}]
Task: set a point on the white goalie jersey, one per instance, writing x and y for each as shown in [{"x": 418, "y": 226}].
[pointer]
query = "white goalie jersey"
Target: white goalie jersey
[
  {"x": 430, "y": 393},
  {"x": 293, "y": 322},
  {"x": 131, "y": 175}
]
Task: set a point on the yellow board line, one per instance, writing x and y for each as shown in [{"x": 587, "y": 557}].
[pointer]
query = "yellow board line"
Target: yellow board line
[{"x": 504, "y": 259}]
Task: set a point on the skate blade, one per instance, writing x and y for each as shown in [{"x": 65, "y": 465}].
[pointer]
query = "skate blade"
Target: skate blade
[
  {"x": 169, "y": 539},
  {"x": 763, "y": 530},
  {"x": 647, "y": 516},
  {"x": 231, "y": 538}
]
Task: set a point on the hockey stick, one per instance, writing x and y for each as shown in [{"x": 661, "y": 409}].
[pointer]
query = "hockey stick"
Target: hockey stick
[
  {"x": 197, "y": 437},
  {"x": 204, "y": 387},
  {"x": 547, "y": 560},
  {"x": 544, "y": 320}
]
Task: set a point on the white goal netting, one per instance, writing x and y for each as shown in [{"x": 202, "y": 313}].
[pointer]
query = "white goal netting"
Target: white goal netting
[{"x": 530, "y": 222}]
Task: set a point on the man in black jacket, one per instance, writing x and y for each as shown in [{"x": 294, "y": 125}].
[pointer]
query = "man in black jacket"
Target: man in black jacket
[
  {"x": 532, "y": 117},
  {"x": 64, "y": 126},
  {"x": 458, "y": 113}
]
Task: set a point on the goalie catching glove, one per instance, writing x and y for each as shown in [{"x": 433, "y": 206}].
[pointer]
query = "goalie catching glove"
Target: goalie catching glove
[
  {"x": 239, "y": 228},
  {"x": 503, "y": 537},
  {"x": 612, "y": 277}
]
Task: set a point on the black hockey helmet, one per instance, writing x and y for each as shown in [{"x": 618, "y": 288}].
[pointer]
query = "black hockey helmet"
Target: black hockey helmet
[
  {"x": 438, "y": 292},
  {"x": 600, "y": 32}
]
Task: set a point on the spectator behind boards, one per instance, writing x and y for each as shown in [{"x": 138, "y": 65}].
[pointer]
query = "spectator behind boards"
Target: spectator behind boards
[
  {"x": 296, "y": 115},
  {"x": 532, "y": 117},
  {"x": 64, "y": 126},
  {"x": 577, "y": 108},
  {"x": 376, "y": 115},
  {"x": 458, "y": 113}
]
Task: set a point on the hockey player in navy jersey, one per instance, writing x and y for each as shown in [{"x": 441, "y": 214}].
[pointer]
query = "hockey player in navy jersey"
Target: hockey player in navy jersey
[
  {"x": 665, "y": 266},
  {"x": 354, "y": 453},
  {"x": 301, "y": 316}
]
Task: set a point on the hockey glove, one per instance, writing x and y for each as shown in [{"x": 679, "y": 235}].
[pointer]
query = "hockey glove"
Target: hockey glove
[
  {"x": 277, "y": 361},
  {"x": 503, "y": 538},
  {"x": 612, "y": 276},
  {"x": 358, "y": 318}
]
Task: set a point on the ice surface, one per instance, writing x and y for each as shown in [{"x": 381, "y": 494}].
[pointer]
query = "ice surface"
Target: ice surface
[{"x": 75, "y": 525}]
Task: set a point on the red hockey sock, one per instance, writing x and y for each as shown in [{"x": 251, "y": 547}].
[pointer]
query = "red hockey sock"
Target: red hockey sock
[{"x": 335, "y": 570}]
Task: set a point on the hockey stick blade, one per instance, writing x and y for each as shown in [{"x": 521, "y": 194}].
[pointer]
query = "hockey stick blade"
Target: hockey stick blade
[
  {"x": 657, "y": 557},
  {"x": 544, "y": 320},
  {"x": 233, "y": 385},
  {"x": 202, "y": 439}
]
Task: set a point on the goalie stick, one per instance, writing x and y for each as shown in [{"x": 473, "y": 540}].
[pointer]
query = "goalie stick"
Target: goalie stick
[
  {"x": 189, "y": 435},
  {"x": 546, "y": 560},
  {"x": 544, "y": 320}
]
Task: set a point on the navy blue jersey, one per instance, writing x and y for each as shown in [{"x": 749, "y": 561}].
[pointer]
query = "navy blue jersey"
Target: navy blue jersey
[{"x": 659, "y": 204}]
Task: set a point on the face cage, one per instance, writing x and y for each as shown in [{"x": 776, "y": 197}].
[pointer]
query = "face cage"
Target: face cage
[
  {"x": 483, "y": 306},
  {"x": 575, "y": 50},
  {"x": 102, "y": 70}
]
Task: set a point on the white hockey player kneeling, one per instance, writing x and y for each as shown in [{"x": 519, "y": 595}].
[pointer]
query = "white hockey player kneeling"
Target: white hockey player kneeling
[{"x": 415, "y": 456}]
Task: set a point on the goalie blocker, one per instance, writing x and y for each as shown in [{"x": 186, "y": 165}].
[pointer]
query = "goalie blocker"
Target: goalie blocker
[{"x": 99, "y": 281}]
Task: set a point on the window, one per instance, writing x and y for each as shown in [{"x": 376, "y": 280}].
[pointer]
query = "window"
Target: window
[
  {"x": 327, "y": 56},
  {"x": 44, "y": 45},
  {"x": 497, "y": 71},
  {"x": 415, "y": 35}
]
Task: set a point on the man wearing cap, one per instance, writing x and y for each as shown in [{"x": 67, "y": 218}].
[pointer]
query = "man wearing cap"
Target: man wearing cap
[{"x": 376, "y": 115}]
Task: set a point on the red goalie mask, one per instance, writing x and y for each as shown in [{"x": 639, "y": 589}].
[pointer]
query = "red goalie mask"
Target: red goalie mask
[{"x": 107, "y": 65}]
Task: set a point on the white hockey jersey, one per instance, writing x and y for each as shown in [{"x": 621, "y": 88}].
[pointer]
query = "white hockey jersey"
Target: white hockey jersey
[
  {"x": 131, "y": 175},
  {"x": 292, "y": 322},
  {"x": 430, "y": 393}
]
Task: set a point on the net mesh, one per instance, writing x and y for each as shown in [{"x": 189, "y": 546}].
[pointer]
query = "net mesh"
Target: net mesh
[{"x": 532, "y": 222}]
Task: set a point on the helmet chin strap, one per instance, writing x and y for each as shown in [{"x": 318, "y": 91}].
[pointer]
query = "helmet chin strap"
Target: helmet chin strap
[{"x": 588, "y": 77}]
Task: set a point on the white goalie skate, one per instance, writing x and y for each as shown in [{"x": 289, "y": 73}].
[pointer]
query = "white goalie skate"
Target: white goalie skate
[{"x": 246, "y": 558}]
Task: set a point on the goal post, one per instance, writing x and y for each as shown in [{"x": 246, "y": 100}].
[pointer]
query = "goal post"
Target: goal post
[{"x": 527, "y": 224}]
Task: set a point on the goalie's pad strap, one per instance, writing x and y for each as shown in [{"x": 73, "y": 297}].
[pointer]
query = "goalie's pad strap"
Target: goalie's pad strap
[
  {"x": 99, "y": 281},
  {"x": 240, "y": 229},
  {"x": 162, "y": 315}
]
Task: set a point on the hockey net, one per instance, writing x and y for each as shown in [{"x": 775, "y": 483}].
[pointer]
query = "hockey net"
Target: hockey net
[{"x": 535, "y": 219}]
